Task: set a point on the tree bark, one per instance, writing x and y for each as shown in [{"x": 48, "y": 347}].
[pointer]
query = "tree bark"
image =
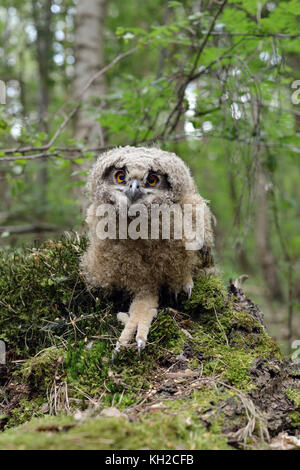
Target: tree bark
[
  {"x": 89, "y": 59},
  {"x": 264, "y": 249},
  {"x": 240, "y": 252},
  {"x": 42, "y": 16},
  {"x": 89, "y": 55}
]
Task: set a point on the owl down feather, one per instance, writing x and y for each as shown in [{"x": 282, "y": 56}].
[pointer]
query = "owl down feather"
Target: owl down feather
[{"x": 148, "y": 228}]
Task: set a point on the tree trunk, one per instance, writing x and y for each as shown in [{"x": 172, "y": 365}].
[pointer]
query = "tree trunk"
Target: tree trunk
[
  {"x": 240, "y": 252},
  {"x": 89, "y": 59},
  {"x": 42, "y": 16},
  {"x": 42, "y": 19},
  {"x": 163, "y": 52},
  {"x": 264, "y": 250},
  {"x": 89, "y": 54}
]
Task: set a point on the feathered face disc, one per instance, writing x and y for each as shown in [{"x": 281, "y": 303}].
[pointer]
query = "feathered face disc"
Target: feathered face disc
[{"x": 139, "y": 174}]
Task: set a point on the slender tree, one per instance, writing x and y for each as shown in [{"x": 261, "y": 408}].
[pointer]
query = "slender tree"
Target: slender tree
[
  {"x": 264, "y": 250},
  {"x": 89, "y": 55},
  {"x": 42, "y": 17}
]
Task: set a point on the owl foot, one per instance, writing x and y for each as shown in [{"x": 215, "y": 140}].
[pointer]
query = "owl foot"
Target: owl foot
[
  {"x": 188, "y": 289},
  {"x": 138, "y": 321}
]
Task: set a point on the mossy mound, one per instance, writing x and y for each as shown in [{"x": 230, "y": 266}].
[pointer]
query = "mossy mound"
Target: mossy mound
[
  {"x": 158, "y": 430},
  {"x": 204, "y": 380}
]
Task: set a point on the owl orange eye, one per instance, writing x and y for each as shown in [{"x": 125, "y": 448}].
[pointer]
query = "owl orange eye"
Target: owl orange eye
[
  {"x": 152, "y": 180},
  {"x": 120, "y": 176}
]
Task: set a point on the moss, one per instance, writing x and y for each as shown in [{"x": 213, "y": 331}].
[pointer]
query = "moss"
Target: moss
[
  {"x": 25, "y": 411},
  {"x": 294, "y": 395},
  {"x": 39, "y": 371},
  {"x": 227, "y": 344},
  {"x": 193, "y": 364},
  {"x": 244, "y": 332},
  {"x": 43, "y": 297},
  {"x": 237, "y": 370},
  {"x": 170, "y": 429},
  {"x": 209, "y": 293},
  {"x": 92, "y": 370},
  {"x": 232, "y": 366},
  {"x": 196, "y": 422},
  {"x": 294, "y": 417},
  {"x": 166, "y": 332}
]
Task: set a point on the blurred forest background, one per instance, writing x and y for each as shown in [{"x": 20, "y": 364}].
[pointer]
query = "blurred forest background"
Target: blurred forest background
[{"x": 213, "y": 81}]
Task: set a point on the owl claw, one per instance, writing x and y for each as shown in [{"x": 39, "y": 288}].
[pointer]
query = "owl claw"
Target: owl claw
[
  {"x": 141, "y": 345},
  {"x": 116, "y": 351},
  {"x": 188, "y": 289}
]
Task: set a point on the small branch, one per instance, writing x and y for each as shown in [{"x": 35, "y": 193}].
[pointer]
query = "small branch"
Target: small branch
[
  {"x": 35, "y": 156},
  {"x": 28, "y": 228},
  {"x": 80, "y": 152},
  {"x": 72, "y": 113},
  {"x": 207, "y": 36},
  {"x": 256, "y": 35},
  {"x": 177, "y": 109},
  {"x": 85, "y": 88}
]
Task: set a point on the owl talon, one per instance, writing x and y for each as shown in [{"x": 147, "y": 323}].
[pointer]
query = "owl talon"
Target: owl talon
[
  {"x": 141, "y": 345},
  {"x": 188, "y": 290},
  {"x": 116, "y": 351}
]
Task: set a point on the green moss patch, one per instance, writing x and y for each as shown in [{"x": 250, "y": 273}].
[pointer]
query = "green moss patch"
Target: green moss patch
[{"x": 154, "y": 431}]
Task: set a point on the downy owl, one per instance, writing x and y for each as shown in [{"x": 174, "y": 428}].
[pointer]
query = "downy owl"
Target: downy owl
[{"x": 133, "y": 185}]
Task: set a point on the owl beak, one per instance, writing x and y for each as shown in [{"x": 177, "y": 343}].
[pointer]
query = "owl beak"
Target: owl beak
[{"x": 134, "y": 192}]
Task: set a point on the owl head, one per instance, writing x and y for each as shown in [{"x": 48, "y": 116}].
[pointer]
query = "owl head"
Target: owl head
[{"x": 139, "y": 175}]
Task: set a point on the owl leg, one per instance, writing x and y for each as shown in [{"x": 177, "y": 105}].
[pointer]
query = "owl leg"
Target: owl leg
[
  {"x": 144, "y": 326},
  {"x": 141, "y": 313}
]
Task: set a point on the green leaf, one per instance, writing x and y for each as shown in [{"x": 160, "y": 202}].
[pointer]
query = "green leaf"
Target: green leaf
[
  {"x": 174, "y": 4},
  {"x": 3, "y": 124},
  {"x": 79, "y": 160}
]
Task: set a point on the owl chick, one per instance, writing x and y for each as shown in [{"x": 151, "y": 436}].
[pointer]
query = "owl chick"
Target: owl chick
[{"x": 128, "y": 178}]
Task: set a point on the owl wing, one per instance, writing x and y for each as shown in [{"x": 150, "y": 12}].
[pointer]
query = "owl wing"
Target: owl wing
[
  {"x": 207, "y": 258},
  {"x": 204, "y": 230}
]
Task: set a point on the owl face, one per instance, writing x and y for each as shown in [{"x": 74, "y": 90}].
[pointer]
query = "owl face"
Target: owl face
[
  {"x": 137, "y": 185},
  {"x": 139, "y": 175}
]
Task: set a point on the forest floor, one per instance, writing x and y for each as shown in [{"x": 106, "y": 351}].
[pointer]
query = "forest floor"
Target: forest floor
[{"x": 210, "y": 377}]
